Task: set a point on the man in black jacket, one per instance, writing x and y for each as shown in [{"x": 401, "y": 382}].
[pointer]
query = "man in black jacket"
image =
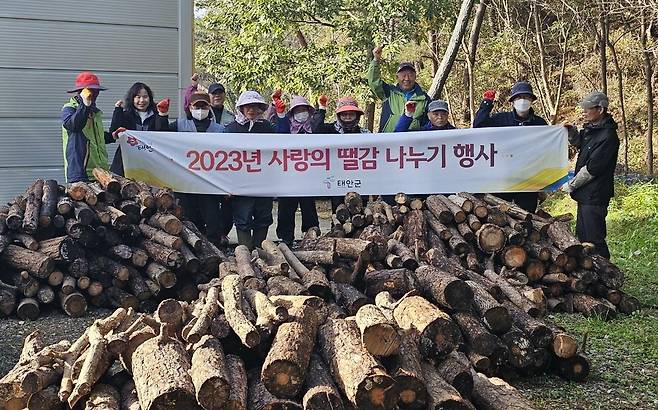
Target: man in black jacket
[
  {"x": 521, "y": 115},
  {"x": 593, "y": 185}
]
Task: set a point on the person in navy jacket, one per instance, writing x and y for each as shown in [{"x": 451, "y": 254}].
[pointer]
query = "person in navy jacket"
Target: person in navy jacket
[
  {"x": 437, "y": 113},
  {"x": 522, "y": 114}
]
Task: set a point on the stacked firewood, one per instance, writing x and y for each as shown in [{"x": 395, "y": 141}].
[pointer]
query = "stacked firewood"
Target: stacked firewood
[
  {"x": 464, "y": 234},
  {"x": 110, "y": 243},
  {"x": 392, "y": 317}
]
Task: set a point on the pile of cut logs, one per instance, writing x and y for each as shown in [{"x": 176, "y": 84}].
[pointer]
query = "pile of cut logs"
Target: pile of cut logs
[
  {"x": 490, "y": 241},
  {"x": 396, "y": 307},
  {"x": 110, "y": 243}
]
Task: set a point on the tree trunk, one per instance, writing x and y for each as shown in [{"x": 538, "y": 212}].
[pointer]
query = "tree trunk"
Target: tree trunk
[
  {"x": 321, "y": 392},
  {"x": 378, "y": 334},
  {"x": 441, "y": 394},
  {"x": 364, "y": 381},
  {"x": 33, "y": 207},
  {"x": 622, "y": 104},
  {"x": 284, "y": 368},
  {"x": 494, "y": 315},
  {"x": 456, "y": 370},
  {"x": 232, "y": 296},
  {"x": 348, "y": 297},
  {"x": 408, "y": 374},
  {"x": 260, "y": 398},
  {"x": 648, "y": 74},
  {"x": 441, "y": 76},
  {"x": 495, "y": 394},
  {"x": 209, "y": 374},
  {"x": 165, "y": 382},
  {"x": 237, "y": 399},
  {"x": 439, "y": 335},
  {"x": 447, "y": 290},
  {"x": 38, "y": 264}
]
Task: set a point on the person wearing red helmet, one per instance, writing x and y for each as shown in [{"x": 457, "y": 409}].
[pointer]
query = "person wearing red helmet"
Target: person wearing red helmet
[
  {"x": 83, "y": 137},
  {"x": 348, "y": 115}
]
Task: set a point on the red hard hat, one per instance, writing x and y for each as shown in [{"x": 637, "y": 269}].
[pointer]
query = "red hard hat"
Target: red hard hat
[{"x": 87, "y": 79}]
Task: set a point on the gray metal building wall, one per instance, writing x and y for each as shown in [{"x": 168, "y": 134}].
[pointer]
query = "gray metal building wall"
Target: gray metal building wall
[{"x": 44, "y": 44}]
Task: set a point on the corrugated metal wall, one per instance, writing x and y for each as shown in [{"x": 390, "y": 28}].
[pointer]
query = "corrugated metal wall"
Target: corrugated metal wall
[{"x": 45, "y": 43}]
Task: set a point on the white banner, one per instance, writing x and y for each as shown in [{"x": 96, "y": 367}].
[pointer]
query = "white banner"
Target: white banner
[{"x": 511, "y": 159}]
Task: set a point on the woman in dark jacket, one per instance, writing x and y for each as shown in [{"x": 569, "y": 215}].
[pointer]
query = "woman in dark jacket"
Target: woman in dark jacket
[
  {"x": 252, "y": 215},
  {"x": 299, "y": 120},
  {"x": 137, "y": 112},
  {"x": 348, "y": 115}
]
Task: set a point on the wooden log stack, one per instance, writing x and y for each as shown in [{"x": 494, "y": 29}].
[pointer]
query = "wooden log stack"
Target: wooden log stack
[
  {"x": 406, "y": 311},
  {"x": 111, "y": 243}
]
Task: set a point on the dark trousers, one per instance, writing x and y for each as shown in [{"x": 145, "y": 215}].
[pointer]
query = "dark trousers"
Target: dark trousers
[
  {"x": 285, "y": 223},
  {"x": 526, "y": 200},
  {"x": 335, "y": 201},
  {"x": 226, "y": 215},
  {"x": 252, "y": 212},
  {"x": 203, "y": 210},
  {"x": 590, "y": 227}
]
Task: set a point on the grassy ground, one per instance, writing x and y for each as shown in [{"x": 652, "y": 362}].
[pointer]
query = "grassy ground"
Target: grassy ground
[{"x": 624, "y": 351}]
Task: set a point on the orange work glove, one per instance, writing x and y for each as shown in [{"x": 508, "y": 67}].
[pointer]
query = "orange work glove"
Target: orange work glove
[
  {"x": 280, "y": 106},
  {"x": 489, "y": 95},
  {"x": 163, "y": 106},
  {"x": 322, "y": 101},
  {"x": 410, "y": 108},
  {"x": 276, "y": 95}
]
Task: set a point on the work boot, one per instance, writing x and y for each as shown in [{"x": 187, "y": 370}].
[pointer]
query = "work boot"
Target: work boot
[
  {"x": 260, "y": 234},
  {"x": 245, "y": 238}
]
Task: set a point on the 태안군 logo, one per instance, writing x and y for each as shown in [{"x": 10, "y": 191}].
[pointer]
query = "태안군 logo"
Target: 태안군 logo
[
  {"x": 132, "y": 141},
  {"x": 328, "y": 181}
]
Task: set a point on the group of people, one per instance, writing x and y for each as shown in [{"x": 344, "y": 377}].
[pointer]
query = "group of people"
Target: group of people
[{"x": 406, "y": 107}]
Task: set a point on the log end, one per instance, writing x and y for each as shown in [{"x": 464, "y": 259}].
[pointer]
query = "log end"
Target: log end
[
  {"x": 381, "y": 340},
  {"x": 498, "y": 319},
  {"x": 376, "y": 392},
  {"x": 283, "y": 378}
]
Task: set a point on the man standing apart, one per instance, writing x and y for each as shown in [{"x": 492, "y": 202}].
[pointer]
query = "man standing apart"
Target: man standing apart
[
  {"x": 395, "y": 97},
  {"x": 522, "y": 114},
  {"x": 593, "y": 185}
]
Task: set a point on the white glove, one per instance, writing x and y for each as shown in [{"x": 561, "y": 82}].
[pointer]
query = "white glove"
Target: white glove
[{"x": 583, "y": 177}]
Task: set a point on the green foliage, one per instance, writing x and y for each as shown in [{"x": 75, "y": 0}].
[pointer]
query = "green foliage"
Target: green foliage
[
  {"x": 623, "y": 351},
  {"x": 256, "y": 44}
]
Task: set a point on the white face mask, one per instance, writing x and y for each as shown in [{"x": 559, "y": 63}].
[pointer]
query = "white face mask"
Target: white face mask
[
  {"x": 522, "y": 105},
  {"x": 200, "y": 114},
  {"x": 301, "y": 117}
]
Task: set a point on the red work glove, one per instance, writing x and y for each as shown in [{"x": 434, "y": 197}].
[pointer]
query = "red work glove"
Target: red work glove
[
  {"x": 163, "y": 106},
  {"x": 489, "y": 95},
  {"x": 276, "y": 95},
  {"x": 410, "y": 108},
  {"x": 280, "y": 106},
  {"x": 322, "y": 101},
  {"x": 118, "y": 131}
]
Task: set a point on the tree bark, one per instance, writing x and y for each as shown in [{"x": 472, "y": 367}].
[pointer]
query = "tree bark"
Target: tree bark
[
  {"x": 209, "y": 374},
  {"x": 321, "y": 391},
  {"x": 441, "y": 394},
  {"x": 364, "y": 381},
  {"x": 165, "y": 380},
  {"x": 441, "y": 76}
]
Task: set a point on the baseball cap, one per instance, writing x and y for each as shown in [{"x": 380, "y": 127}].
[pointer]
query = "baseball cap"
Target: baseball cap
[
  {"x": 406, "y": 66},
  {"x": 216, "y": 88},
  {"x": 199, "y": 97},
  {"x": 595, "y": 99},
  {"x": 438, "y": 105}
]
